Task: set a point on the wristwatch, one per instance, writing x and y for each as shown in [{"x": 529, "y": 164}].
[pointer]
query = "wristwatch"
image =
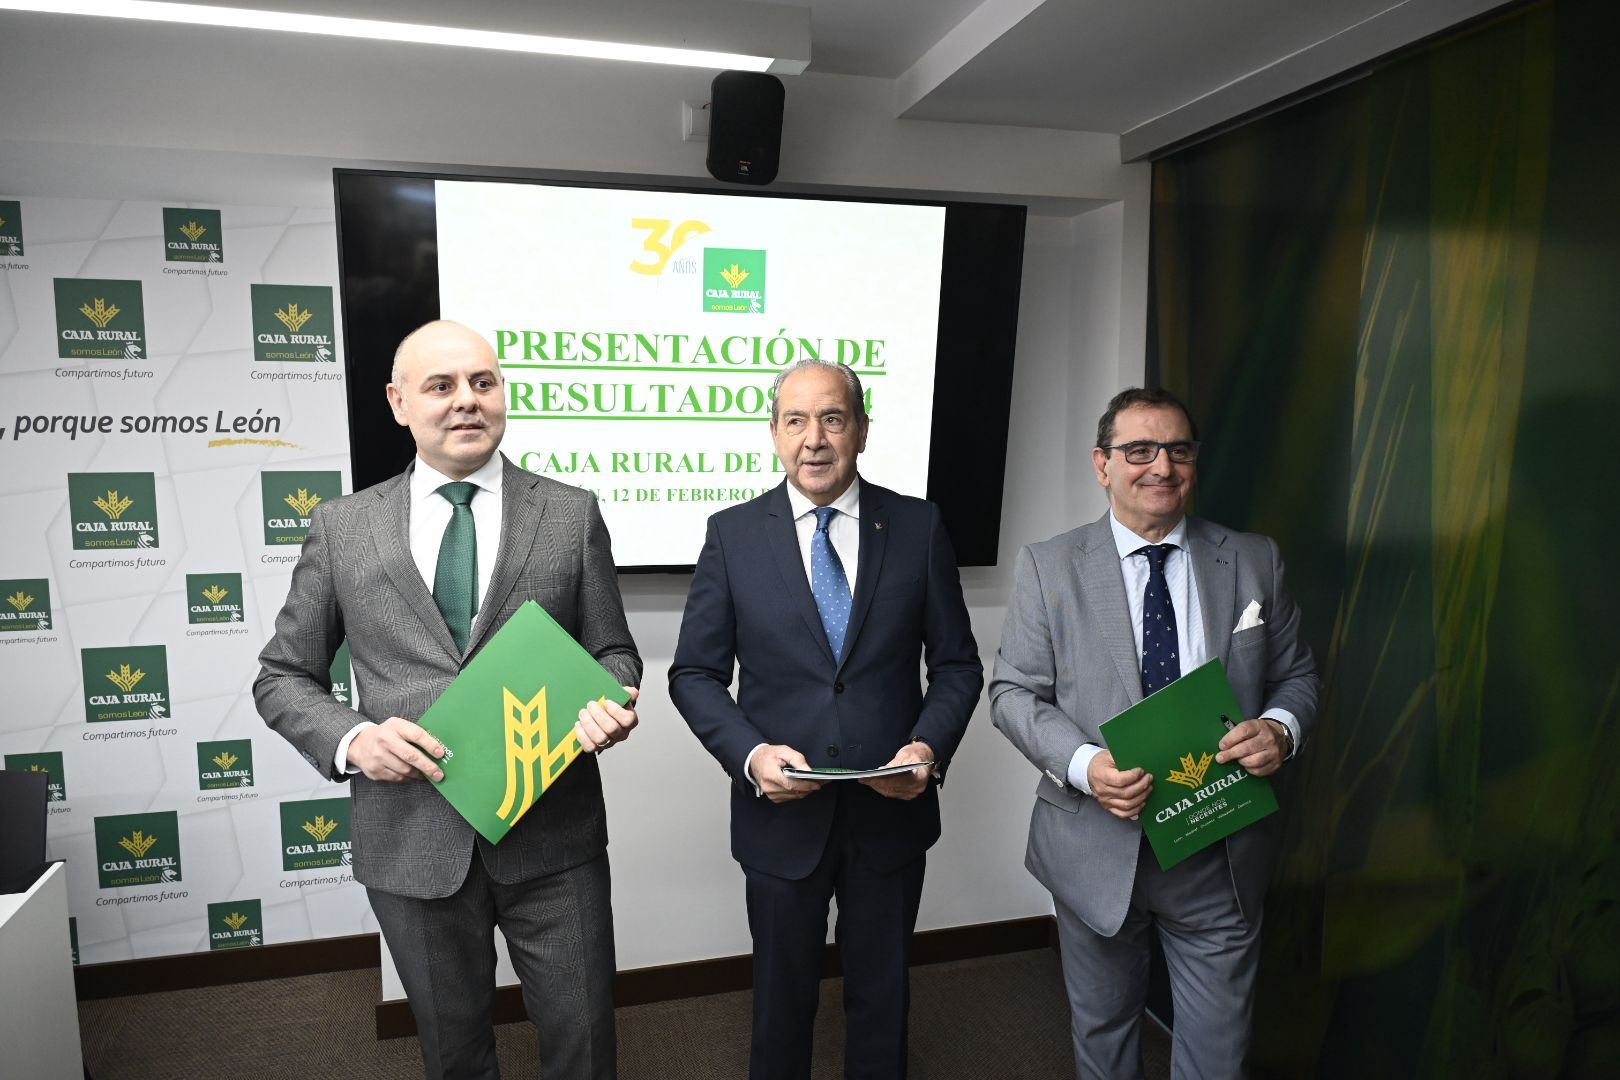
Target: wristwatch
[{"x": 1288, "y": 737}]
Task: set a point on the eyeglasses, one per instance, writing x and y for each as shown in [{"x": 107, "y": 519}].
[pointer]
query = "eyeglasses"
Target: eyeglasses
[{"x": 1146, "y": 451}]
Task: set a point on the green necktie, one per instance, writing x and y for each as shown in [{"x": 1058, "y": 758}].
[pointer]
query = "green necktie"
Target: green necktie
[{"x": 455, "y": 582}]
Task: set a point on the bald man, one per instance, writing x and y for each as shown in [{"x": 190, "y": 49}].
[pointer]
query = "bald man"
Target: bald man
[{"x": 417, "y": 573}]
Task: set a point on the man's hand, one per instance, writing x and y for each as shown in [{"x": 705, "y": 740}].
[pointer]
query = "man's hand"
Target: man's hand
[
  {"x": 603, "y": 723},
  {"x": 1260, "y": 746},
  {"x": 1122, "y": 794},
  {"x": 769, "y": 761},
  {"x": 906, "y": 785},
  {"x": 396, "y": 750}
]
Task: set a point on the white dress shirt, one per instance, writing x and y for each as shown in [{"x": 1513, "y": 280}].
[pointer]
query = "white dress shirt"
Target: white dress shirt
[
  {"x": 430, "y": 513},
  {"x": 1183, "y": 585},
  {"x": 844, "y": 530}
]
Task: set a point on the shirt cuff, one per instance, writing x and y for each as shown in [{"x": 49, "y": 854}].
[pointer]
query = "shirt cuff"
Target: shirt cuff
[
  {"x": 1080, "y": 763},
  {"x": 1287, "y": 720},
  {"x": 748, "y": 769},
  {"x": 341, "y": 759}
]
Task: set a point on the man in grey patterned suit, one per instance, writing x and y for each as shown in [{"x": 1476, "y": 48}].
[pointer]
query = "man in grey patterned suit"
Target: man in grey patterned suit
[
  {"x": 418, "y": 572},
  {"x": 1099, "y": 617}
]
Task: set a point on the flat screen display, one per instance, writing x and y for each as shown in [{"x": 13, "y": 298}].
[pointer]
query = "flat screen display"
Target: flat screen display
[{"x": 640, "y": 331}]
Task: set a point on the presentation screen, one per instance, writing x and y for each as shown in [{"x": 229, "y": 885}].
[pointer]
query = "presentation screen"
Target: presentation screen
[{"x": 640, "y": 331}]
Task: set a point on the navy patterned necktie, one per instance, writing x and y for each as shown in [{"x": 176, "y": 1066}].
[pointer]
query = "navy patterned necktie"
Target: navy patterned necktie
[
  {"x": 455, "y": 582},
  {"x": 828, "y": 583},
  {"x": 1160, "y": 666}
]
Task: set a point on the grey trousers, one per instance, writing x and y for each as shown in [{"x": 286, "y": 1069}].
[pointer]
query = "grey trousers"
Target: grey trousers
[
  {"x": 1212, "y": 952},
  {"x": 559, "y": 932}
]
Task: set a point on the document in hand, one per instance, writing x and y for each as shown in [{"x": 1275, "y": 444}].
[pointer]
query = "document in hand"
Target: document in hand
[
  {"x": 1174, "y": 735},
  {"x": 507, "y": 722}
]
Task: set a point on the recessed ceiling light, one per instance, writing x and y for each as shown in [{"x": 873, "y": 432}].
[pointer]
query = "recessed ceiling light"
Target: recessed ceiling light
[{"x": 417, "y": 33}]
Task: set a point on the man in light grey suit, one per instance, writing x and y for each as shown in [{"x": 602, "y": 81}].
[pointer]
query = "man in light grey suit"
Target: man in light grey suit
[
  {"x": 418, "y": 572},
  {"x": 1073, "y": 654}
]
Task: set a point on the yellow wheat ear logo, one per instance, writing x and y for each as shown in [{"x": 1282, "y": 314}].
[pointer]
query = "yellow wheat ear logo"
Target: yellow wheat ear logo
[
  {"x": 235, "y": 920},
  {"x": 214, "y": 594},
  {"x": 525, "y": 749},
  {"x": 225, "y": 759},
  {"x": 303, "y": 502},
  {"x": 124, "y": 678},
  {"x": 734, "y": 275},
  {"x": 137, "y": 843},
  {"x": 192, "y": 230},
  {"x": 320, "y": 828},
  {"x": 294, "y": 319},
  {"x": 101, "y": 314},
  {"x": 114, "y": 505},
  {"x": 20, "y": 600},
  {"x": 1191, "y": 772},
  {"x": 31, "y": 768}
]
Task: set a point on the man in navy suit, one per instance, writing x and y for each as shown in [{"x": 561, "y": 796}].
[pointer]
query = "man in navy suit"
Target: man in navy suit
[{"x": 824, "y": 593}]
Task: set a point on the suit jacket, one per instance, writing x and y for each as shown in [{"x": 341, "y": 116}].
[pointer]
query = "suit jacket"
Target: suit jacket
[
  {"x": 1068, "y": 662},
  {"x": 750, "y": 605},
  {"x": 356, "y": 579}
]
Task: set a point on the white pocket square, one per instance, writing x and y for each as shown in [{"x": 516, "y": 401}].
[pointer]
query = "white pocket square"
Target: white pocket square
[{"x": 1251, "y": 618}]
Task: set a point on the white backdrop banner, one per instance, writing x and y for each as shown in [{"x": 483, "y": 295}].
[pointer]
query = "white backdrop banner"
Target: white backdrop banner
[{"x": 174, "y": 410}]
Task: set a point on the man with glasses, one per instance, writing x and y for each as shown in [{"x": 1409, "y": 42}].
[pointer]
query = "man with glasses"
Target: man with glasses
[{"x": 1100, "y": 617}]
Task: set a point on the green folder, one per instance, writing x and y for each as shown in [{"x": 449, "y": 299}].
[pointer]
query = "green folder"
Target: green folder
[
  {"x": 507, "y": 722},
  {"x": 1174, "y": 734}
]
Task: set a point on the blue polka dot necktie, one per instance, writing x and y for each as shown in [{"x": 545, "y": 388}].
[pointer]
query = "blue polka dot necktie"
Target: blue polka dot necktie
[
  {"x": 828, "y": 583},
  {"x": 1160, "y": 666},
  {"x": 455, "y": 581}
]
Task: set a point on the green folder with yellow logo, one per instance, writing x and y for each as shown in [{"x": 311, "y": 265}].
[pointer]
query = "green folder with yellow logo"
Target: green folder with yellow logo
[
  {"x": 1174, "y": 734},
  {"x": 507, "y": 722}
]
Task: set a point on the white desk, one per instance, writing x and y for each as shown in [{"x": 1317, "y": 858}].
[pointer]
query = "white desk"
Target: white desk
[{"x": 39, "y": 1014}]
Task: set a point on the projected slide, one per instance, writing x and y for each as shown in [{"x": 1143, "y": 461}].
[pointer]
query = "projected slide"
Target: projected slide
[{"x": 640, "y": 332}]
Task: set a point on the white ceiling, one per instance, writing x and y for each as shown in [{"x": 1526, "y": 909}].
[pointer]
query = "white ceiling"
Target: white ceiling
[
  {"x": 1151, "y": 71},
  {"x": 1154, "y": 73}
]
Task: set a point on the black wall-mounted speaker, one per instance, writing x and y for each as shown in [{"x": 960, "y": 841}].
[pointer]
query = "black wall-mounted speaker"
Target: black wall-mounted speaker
[{"x": 745, "y": 127}]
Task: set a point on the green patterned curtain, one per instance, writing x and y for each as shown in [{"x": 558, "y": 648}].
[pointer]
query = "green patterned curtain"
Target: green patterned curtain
[{"x": 1393, "y": 309}]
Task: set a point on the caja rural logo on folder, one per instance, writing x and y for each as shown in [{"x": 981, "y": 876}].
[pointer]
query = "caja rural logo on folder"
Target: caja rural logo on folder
[
  {"x": 235, "y": 924},
  {"x": 293, "y": 323},
  {"x": 227, "y": 763},
  {"x": 1191, "y": 775},
  {"x": 48, "y": 762},
  {"x": 113, "y": 510},
  {"x": 99, "y": 319},
  {"x": 130, "y": 682},
  {"x": 213, "y": 598},
  {"x": 315, "y": 834},
  {"x": 734, "y": 280},
  {"x": 533, "y": 745},
  {"x": 11, "y": 234},
  {"x": 289, "y": 500},
  {"x": 27, "y": 604},
  {"x": 138, "y": 849},
  {"x": 192, "y": 235},
  {"x": 342, "y": 676}
]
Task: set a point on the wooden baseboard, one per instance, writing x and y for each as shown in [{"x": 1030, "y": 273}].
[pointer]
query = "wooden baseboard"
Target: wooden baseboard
[
  {"x": 192, "y": 970},
  {"x": 699, "y": 978},
  {"x": 641, "y": 986}
]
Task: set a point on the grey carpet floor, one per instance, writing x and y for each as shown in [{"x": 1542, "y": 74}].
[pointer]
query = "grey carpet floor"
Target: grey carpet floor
[{"x": 1002, "y": 1017}]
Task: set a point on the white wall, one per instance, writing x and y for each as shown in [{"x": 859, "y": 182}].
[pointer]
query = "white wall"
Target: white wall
[{"x": 106, "y": 109}]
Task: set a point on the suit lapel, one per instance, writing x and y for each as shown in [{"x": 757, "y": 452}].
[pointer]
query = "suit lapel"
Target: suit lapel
[
  {"x": 874, "y": 536},
  {"x": 391, "y": 535},
  {"x": 783, "y": 540},
  {"x": 1104, "y": 586},
  {"x": 1217, "y": 587},
  {"x": 522, "y": 505}
]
